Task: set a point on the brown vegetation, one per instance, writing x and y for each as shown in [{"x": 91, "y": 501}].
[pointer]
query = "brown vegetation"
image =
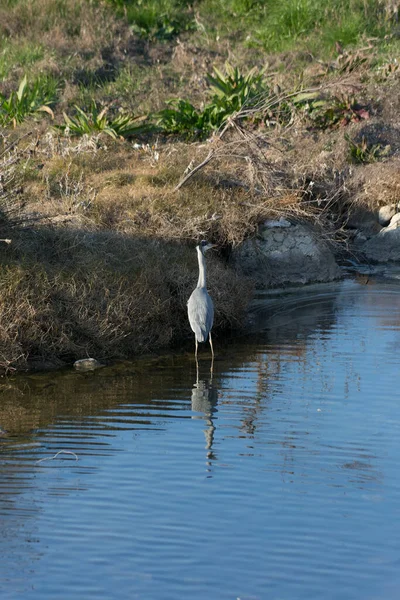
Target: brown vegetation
[{"x": 69, "y": 293}]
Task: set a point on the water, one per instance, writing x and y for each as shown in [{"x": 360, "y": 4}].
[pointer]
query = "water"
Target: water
[{"x": 277, "y": 479}]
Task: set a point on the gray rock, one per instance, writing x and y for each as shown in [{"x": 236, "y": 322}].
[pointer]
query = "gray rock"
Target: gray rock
[
  {"x": 385, "y": 213},
  {"x": 288, "y": 255},
  {"x": 385, "y": 246},
  {"x": 281, "y": 222},
  {"x": 394, "y": 221},
  {"x": 363, "y": 220},
  {"x": 87, "y": 364}
]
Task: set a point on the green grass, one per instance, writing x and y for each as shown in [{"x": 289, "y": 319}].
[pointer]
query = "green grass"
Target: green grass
[
  {"x": 363, "y": 152},
  {"x": 14, "y": 55},
  {"x": 46, "y": 15},
  {"x": 162, "y": 19},
  {"x": 29, "y": 99},
  {"x": 229, "y": 92},
  {"x": 97, "y": 121},
  {"x": 302, "y": 24}
]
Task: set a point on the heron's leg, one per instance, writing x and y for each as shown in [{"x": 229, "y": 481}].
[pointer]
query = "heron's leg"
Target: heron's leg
[
  {"x": 211, "y": 346},
  {"x": 195, "y": 339}
]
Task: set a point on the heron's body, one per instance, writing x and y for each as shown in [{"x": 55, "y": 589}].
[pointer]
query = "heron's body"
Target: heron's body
[
  {"x": 201, "y": 313},
  {"x": 200, "y": 305}
]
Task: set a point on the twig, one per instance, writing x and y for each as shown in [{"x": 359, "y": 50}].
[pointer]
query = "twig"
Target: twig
[
  {"x": 195, "y": 169},
  {"x": 13, "y": 144},
  {"x": 55, "y": 456},
  {"x": 209, "y": 156}
]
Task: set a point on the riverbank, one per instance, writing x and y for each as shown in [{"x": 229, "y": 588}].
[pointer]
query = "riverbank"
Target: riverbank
[{"x": 103, "y": 217}]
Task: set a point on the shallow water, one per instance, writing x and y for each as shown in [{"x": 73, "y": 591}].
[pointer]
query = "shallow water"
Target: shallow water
[{"x": 276, "y": 479}]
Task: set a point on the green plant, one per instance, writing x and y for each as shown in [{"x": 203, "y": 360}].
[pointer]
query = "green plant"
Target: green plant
[
  {"x": 161, "y": 19},
  {"x": 96, "y": 121},
  {"x": 229, "y": 93},
  {"x": 306, "y": 25},
  {"x": 183, "y": 118},
  {"x": 14, "y": 53},
  {"x": 232, "y": 91},
  {"x": 337, "y": 111},
  {"x": 363, "y": 152},
  {"x": 28, "y": 100}
]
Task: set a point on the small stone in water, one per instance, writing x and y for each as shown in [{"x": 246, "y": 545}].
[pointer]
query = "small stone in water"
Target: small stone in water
[{"x": 87, "y": 364}]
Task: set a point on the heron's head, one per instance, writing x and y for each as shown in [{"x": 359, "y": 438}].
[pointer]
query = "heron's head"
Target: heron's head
[{"x": 204, "y": 246}]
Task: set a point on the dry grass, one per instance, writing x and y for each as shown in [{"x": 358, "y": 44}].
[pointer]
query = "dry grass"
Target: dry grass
[
  {"x": 67, "y": 294},
  {"x": 94, "y": 222},
  {"x": 132, "y": 190}
]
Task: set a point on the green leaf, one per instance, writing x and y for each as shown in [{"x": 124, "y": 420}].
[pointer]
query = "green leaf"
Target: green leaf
[{"x": 21, "y": 88}]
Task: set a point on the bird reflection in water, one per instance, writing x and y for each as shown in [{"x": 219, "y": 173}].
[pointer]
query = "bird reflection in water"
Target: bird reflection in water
[{"x": 204, "y": 400}]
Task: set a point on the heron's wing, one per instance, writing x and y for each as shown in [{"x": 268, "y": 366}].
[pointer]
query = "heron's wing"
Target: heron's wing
[{"x": 201, "y": 313}]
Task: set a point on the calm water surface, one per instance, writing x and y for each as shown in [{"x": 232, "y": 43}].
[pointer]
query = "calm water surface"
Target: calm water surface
[{"x": 276, "y": 479}]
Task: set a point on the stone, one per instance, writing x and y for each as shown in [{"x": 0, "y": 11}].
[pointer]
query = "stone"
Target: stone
[
  {"x": 385, "y": 246},
  {"x": 286, "y": 256},
  {"x": 385, "y": 213},
  {"x": 87, "y": 364},
  {"x": 281, "y": 222},
  {"x": 394, "y": 221}
]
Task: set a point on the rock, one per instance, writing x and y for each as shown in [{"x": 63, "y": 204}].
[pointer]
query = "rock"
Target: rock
[
  {"x": 385, "y": 213},
  {"x": 363, "y": 221},
  {"x": 385, "y": 246},
  {"x": 394, "y": 221},
  {"x": 286, "y": 255},
  {"x": 87, "y": 364},
  {"x": 281, "y": 222}
]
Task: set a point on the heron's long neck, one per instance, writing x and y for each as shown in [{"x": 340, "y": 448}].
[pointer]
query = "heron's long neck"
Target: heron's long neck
[{"x": 202, "y": 269}]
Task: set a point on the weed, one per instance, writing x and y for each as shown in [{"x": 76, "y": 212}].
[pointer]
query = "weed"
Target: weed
[
  {"x": 363, "y": 152},
  {"x": 28, "y": 100},
  {"x": 96, "y": 121},
  {"x": 183, "y": 118},
  {"x": 157, "y": 19},
  {"x": 337, "y": 111},
  {"x": 302, "y": 24},
  {"x": 229, "y": 93},
  {"x": 13, "y": 167},
  {"x": 78, "y": 293},
  {"x": 232, "y": 91},
  {"x": 14, "y": 55}
]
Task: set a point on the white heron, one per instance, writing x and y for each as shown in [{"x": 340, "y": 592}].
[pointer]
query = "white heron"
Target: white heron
[{"x": 200, "y": 306}]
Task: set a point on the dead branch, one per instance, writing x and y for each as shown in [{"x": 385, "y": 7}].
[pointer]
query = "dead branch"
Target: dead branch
[
  {"x": 195, "y": 169},
  {"x": 210, "y": 155}
]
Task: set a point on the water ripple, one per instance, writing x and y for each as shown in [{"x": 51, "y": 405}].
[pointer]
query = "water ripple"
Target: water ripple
[{"x": 277, "y": 477}]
